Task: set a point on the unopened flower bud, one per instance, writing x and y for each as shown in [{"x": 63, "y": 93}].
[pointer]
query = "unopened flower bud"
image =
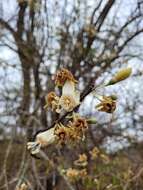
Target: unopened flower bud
[
  {"x": 113, "y": 97},
  {"x": 119, "y": 76},
  {"x": 91, "y": 121}
]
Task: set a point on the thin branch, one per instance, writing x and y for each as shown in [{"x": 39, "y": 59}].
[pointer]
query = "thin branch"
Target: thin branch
[
  {"x": 129, "y": 39},
  {"x": 45, "y": 157},
  {"x": 104, "y": 14},
  {"x": 96, "y": 8},
  {"x": 6, "y": 25}
]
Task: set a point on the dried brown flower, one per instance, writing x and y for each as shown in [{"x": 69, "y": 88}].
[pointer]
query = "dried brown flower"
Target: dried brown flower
[
  {"x": 80, "y": 123},
  {"x": 72, "y": 174},
  {"x": 94, "y": 153},
  {"x": 105, "y": 158},
  {"x": 75, "y": 174},
  {"x": 108, "y": 104},
  {"x": 52, "y": 100},
  {"x": 77, "y": 128},
  {"x": 82, "y": 160},
  {"x": 62, "y": 76},
  {"x": 61, "y": 132},
  {"x": 83, "y": 173}
]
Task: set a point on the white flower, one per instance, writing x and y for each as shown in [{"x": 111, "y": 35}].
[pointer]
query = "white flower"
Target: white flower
[
  {"x": 70, "y": 96},
  {"x": 43, "y": 139}
]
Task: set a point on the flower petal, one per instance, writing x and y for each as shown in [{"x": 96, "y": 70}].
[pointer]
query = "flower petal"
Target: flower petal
[
  {"x": 68, "y": 88},
  {"x": 47, "y": 137}
]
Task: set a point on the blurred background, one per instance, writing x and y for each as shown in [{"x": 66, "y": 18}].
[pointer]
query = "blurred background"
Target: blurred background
[{"x": 93, "y": 39}]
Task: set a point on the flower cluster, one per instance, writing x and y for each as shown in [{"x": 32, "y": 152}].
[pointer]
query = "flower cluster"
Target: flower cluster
[
  {"x": 76, "y": 174},
  {"x": 73, "y": 131},
  {"x": 80, "y": 173},
  {"x": 70, "y": 97},
  {"x": 74, "y": 128},
  {"x": 81, "y": 169}
]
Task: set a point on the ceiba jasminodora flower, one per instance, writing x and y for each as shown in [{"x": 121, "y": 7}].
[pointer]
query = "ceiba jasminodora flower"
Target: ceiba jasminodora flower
[
  {"x": 52, "y": 100},
  {"x": 108, "y": 104},
  {"x": 70, "y": 96},
  {"x": 80, "y": 123},
  {"x": 62, "y": 133},
  {"x": 62, "y": 76},
  {"x": 72, "y": 174},
  {"x": 75, "y": 174},
  {"x": 78, "y": 128},
  {"x": 94, "y": 153},
  {"x": 82, "y": 161},
  {"x": 43, "y": 139}
]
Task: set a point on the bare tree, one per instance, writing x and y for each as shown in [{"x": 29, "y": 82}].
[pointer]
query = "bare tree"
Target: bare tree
[{"x": 88, "y": 38}]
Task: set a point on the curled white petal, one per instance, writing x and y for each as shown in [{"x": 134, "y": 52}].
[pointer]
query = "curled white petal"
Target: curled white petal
[
  {"x": 77, "y": 97},
  {"x": 43, "y": 139},
  {"x": 46, "y": 138}
]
